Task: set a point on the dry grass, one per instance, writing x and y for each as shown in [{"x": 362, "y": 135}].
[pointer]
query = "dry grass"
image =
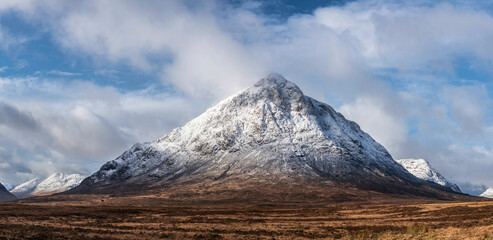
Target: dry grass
[{"x": 459, "y": 220}]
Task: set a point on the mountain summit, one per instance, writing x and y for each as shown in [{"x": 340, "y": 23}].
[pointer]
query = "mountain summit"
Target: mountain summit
[
  {"x": 270, "y": 136},
  {"x": 423, "y": 170},
  {"x": 55, "y": 183}
]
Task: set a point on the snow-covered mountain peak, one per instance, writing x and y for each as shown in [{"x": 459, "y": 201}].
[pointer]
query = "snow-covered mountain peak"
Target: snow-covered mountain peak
[
  {"x": 272, "y": 79},
  {"x": 26, "y": 187},
  {"x": 488, "y": 193},
  {"x": 58, "y": 182},
  {"x": 423, "y": 170},
  {"x": 276, "y": 82},
  {"x": 55, "y": 183},
  {"x": 270, "y": 129}
]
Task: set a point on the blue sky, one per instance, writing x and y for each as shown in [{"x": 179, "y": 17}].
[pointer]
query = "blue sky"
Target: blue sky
[
  {"x": 42, "y": 55},
  {"x": 82, "y": 81}
]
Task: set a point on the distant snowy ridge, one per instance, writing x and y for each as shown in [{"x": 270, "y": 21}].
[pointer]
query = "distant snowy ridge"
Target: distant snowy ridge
[
  {"x": 7, "y": 186},
  {"x": 25, "y": 188},
  {"x": 423, "y": 170},
  {"x": 58, "y": 182},
  {"x": 488, "y": 193}
]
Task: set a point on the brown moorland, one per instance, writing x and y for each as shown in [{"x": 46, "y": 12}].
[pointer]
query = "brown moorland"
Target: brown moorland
[{"x": 147, "y": 217}]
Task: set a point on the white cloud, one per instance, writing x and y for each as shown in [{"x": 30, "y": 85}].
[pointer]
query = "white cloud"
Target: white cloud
[
  {"x": 79, "y": 126},
  {"x": 9, "y": 41},
  {"x": 6, "y": 41},
  {"x": 481, "y": 150},
  {"x": 62, "y": 73},
  {"x": 375, "y": 117},
  {"x": 208, "y": 49},
  {"x": 412, "y": 37},
  {"x": 473, "y": 160},
  {"x": 467, "y": 106}
]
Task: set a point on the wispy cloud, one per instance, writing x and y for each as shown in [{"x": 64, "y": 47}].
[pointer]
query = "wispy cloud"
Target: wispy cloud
[
  {"x": 21, "y": 63},
  {"x": 62, "y": 73}
]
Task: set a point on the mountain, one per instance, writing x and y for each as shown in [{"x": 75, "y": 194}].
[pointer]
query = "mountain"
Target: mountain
[
  {"x": 5, "y": 195},
  {"x": 488, "y": 193},
  {"x": 58, "y": 182},
  {"x": 423, "y": 170},
  {"x": 269, "y": 141},
  {"x": 472, "y": 189},
  {"x": 8, "y": 186},
  {"x": 25, "y": 189}
]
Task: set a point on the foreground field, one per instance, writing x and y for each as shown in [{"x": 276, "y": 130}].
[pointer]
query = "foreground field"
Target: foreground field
[{"x": 466, "y": 220}]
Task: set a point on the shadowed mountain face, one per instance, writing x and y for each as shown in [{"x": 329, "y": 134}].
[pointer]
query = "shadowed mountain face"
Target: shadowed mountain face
[
  {"x": 270, "y": 139},
  {"x": 5, "y": 195}
]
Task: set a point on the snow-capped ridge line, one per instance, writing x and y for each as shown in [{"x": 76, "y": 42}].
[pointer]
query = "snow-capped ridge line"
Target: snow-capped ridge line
[
  {"x": 26, "y": 187},
  {"x": 423, "y": 170},
  {"x": 55, "y": 183}
]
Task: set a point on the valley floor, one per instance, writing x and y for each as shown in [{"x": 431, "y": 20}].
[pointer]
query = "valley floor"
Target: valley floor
[{"x": 449, "y": 220}]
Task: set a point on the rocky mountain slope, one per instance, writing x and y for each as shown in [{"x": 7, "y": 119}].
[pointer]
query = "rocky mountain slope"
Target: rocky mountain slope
[
  {"x": 488, "y": 193},
  {"x": 58, "y": 182},
  {"x": 268, "y": 139},
  {"x": 423, "y": 170},
  {"x": 5, "y": 195}
]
